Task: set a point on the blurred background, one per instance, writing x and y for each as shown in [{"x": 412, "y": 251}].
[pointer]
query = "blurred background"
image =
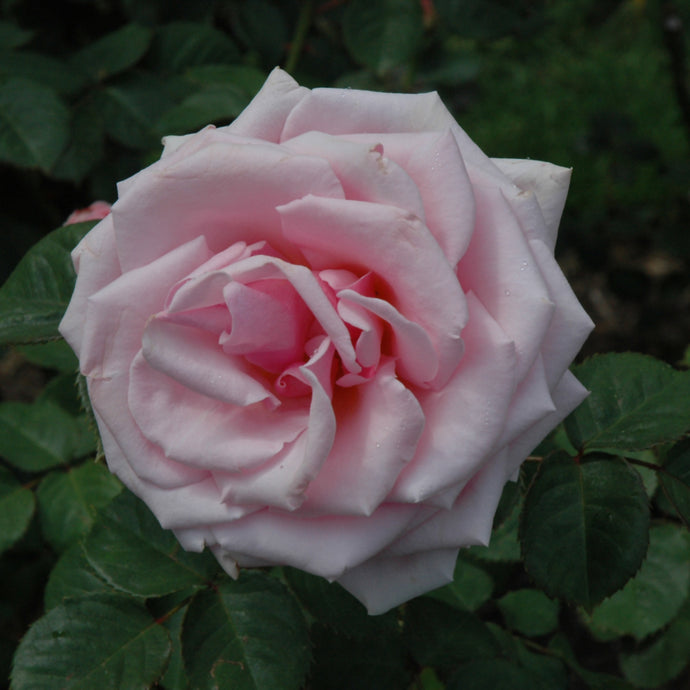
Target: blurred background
[{"x": 89, "y": 87}]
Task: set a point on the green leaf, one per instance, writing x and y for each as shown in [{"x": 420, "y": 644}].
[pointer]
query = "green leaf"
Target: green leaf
[
  {"x": 113, "y": 53},
  {"x": 471, "y": 587},
  {"x": 636, "y": 402},
  {"x": 131, "y": 108},
  {"x": 35, "y": 296},
  {"x": 335, "y": 607},
  {"x": 17, "y": 505},
  {"x": 248, "y": 80},
  {"x": 13, "y": 36},
  {"x": 72, "y": 577},
  {"x": 212, "y": 105},
  {"x": 85, "y": 146},
  {"x": 383, "y": 35},
  {"x": 442, "y": 636},
  {"x": 40, "y": 69},
  {"x": 529, "y": 612},
  {"x": 584, "y": 529},
  {"x": 180, "y": 45},
  {"x": 56, "y": 354},
  {"x": 483, "y": 19},
  {"x": 68, "y": 502},
  {"x": 131, "y": 551},
  {"x": 175, "y": 677},
  {"x": 247, "y": 634},
  {"x": 654, "y": 596},
  {"x": 548, "y": 671},
  {"x": 262, "y": 27},
  {"x": 34, "y": 124},
  {"x": 675, "y": 479},
  {"x": 493, "y": 674},
  {"x": 103, "y": 642},
  {"x": 663, "y": 659},
  {"x": 377, "y": 663},
  {"x": 38, "y": 436}
]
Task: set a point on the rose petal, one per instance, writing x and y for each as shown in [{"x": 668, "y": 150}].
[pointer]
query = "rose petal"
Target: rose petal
[
  {"x": 109, "y": 402},
  {"x": 464, "y": 418},
  {"x": 342, "y": 542},
  {"x": 396, "y": 247},
  {"x": 264, "y": 117},
  {"x": 567, "y": 395},
  {"x": 378, "y": 427},
  {"x": 531, "y": 402},
  {"x": 117, "y": 314},
  {"x": 570, "y": 324},
  {"x": 387, "y": 581},
  {"x": 500, "y": 269},
  {"x": 194, "y": 359},
  {"x": 548, "y": 182},
  {"x": 282, "y": 482},
  {"x": 183, "y": 507},
  {"x": 95, "y": 260},
  {"x": 205, "y": 432},
  {"x": 434, "y": 163},
  {"x": 468, "y": 522},
  {"x": 364, "y": 171},
  {"x": 227, "y": 192},
  {"x": 416, "y": 357}
]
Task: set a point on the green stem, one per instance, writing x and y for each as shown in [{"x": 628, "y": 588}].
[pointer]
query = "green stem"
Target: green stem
[{"x": 303, "y": 22}]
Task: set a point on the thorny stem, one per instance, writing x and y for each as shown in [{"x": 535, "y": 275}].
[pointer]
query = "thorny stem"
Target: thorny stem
[{"x": 297, "y": 44}]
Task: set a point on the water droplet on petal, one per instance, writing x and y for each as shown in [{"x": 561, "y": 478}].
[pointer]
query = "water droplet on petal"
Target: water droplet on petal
[
  {"x": 524, "y": 266},
  {"x": 507, "y": 293}
]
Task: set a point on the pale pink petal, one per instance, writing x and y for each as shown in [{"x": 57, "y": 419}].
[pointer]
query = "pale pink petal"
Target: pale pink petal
[
  {"x": 196, "y": 503},
  {"x": 417, "y": 360},
  {"x": 194, "y": 359},
  {"x": 117, "y": 314},
  {"x": 468, "y": 522},
  {"x": 95, "y": 260},
  {"x": 567, "y": 395},
  {"x": 397, "y": 248},
  {"x": 500, "y": 269},
  {"x": 364, "y": 171},
  {"x": 464, "y": 418},
  {"x": 387, "y": 581},
  {"x": 226, "y": 192},
  {"x": 379, "y": 425},
  {"x": 205, "y": 432},
  {"x": 434, "y": 162},
  {"x": 306, "y": 284},
  {"x": 265, "y": 116},
  {"x": 109, "y": 402},
  {"x": 322, "y": 547},
  {"x": 269, "y": 323},
  {"x": 282, "y": 482},
  {"x": 570, "y": 324},
  {"x": 531, "y": 402},
  {"x": 550, "y": 186},
  {"x": 96, "y": 211}
]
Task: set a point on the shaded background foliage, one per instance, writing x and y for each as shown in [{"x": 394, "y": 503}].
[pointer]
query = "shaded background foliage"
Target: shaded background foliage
[{"x": 87, "y": 90}]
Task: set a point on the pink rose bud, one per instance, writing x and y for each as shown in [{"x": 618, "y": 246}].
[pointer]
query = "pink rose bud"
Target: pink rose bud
[
  {"x": 97, "y": 211},
  {"x": 328, "y": 334}
]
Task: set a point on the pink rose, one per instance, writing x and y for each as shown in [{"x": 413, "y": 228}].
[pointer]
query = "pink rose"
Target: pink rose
[
  {"x": 96, "y": 211},
  {"x": 327, "y": 335}
]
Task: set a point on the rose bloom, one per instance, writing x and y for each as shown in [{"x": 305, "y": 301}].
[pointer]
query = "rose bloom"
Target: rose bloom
[
  {"x": 326, "y": 335},
  {"x": 96, "y": 211}
]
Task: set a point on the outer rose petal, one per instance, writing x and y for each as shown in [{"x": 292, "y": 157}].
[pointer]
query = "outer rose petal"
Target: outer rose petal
[
  {"x": 95, "y": 260},
  {"x": 548, "y": 182}
]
